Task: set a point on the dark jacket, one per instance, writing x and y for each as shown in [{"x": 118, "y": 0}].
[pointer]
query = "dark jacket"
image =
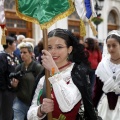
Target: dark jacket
[
  {"x": 27, "y": 81},
  {"x": 7, "y": 65}
]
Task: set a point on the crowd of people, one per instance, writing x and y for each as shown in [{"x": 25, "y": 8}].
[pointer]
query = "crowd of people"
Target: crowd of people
[{"x": 79, "y": 77}]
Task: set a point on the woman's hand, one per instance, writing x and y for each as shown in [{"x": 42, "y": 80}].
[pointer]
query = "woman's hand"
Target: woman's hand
[
  {"x": 14, "y": 82},
  {"x": 48, "y": 62},
  {"x": 46, "y": 107}
]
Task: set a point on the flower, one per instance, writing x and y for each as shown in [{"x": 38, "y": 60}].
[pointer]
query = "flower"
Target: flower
[{"x": 97, "y": 20}]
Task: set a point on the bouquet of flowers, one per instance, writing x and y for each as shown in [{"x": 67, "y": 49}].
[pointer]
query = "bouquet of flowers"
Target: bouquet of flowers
[{"x": 97, "y": 20}]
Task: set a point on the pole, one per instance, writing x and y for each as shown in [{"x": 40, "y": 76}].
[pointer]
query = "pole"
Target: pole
[
  {"x": 97, "y": 30},
  {"x": 47, "y": 74},
  {"x": 96, "y": 8}
]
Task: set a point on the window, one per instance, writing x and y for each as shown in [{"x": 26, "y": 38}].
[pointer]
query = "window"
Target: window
[
  {"x": 112, "y": 18},
  {"x": 17, "y": 26},
  {"x": 112, "y": 21},
  {"x": 9, "y": 4},
  {"x": 15, "y": 23},
  {"x": 74, "y": 24}
]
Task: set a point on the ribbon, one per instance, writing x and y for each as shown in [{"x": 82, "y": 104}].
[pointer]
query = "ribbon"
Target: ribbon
[
  {"x": 82, "y": 28},
  {"x": 85, "y": 9},
  {"x": 3, "y": 38}
]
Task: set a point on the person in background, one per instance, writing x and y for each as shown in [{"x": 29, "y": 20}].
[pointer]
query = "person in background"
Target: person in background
[
  {"x": 98, "y": 45},
  {"x": 101, "y": 46},
  {"x": 106, "y": 97},
  {"x": 40, "y": 48},
  {"x": 20, "y": 38},
  {"x": 28, "y": 40},
  {"x": 8, "y": 62},
  {"x": 69, "y": 81},
  {"x": 17, "y": 51},
  {"x": 24, "y": 84},
  {"x": 95, "y": 57},
  {"x": 81, "y": 41},
  {"x": 36, "y": 52},
  {"x": 31, "y": 40}
]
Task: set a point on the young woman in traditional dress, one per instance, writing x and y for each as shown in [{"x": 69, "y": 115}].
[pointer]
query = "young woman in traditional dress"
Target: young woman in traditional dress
[
  {"x": 107, "y": 86},
  {"x": 69, "y": 81}
]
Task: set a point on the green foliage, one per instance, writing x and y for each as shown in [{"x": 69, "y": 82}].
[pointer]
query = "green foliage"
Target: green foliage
[{"x": 97, "y": 20}]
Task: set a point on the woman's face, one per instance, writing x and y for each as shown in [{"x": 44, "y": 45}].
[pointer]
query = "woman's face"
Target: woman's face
[
  {"x": 58, "y": 49},
  {"x": 25, "y": 54},
  {"x": 113, "y": 47},
  {"x": 86, "y": 43}
]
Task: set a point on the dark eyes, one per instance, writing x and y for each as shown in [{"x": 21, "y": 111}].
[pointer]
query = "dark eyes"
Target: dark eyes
[
  {"x": 23, "y": 52},
  {"x": 57, "y": 48},
  {"x": 109, "y": 46}
]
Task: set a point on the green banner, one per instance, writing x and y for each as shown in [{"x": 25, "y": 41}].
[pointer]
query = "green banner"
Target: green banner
[{"x": 44, "y": 12}]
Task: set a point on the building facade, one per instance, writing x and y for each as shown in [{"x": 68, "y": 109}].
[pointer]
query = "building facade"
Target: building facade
[{"x": 110, "y": 14}]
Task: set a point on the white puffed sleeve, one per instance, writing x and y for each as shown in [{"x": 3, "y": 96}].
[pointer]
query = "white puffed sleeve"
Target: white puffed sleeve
[{"x": 66, "y": 93}]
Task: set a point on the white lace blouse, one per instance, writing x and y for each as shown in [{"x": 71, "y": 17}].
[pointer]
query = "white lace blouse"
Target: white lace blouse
[
  {"x": 67, "y": 95},
  {"x": 114, "y": 67}
]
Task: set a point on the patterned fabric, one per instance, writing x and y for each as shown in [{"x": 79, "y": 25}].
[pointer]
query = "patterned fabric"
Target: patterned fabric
[
  {"x": 81, "y": 80},
  {"x": 7, "y": 65}
]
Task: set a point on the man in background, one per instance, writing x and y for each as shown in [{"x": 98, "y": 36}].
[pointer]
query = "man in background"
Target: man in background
[{"x": 18, "y": 40}]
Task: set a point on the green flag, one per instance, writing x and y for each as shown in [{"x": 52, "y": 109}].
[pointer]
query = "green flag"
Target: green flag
[{"x": 44, "y": 12}]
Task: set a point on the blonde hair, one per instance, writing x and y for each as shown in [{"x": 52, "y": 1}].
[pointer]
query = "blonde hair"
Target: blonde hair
[
  {"x": 28, "y": 40},
  {"x": 27, "y": 45}
]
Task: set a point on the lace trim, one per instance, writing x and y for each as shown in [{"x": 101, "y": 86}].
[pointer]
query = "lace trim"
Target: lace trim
[{"x": 114, "y": 67}]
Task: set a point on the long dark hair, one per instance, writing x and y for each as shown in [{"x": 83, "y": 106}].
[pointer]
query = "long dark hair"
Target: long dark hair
[
  {"x": 91, "y": 44},
  {"x": 40, "y": 46},
  {"x": 78, "y": 53}
]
